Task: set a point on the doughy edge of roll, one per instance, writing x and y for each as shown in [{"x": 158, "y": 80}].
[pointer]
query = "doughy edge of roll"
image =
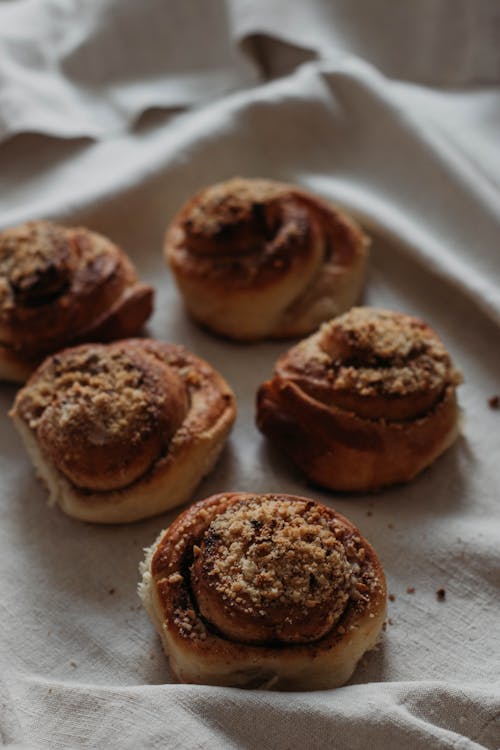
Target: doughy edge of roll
[{"x": 337, "y": 466}]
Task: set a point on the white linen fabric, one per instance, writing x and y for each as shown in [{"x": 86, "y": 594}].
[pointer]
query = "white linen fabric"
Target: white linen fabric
[
  {"x": 81, "y": 665},
  {"x": 449, "y": 42},
  {"x": 80, "y": 67}
]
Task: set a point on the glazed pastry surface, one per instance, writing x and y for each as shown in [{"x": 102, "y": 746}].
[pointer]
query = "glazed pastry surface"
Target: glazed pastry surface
[
  {"x": 260, "y": 259},
  {"x": 124, "y": 430},
  {"x": 367, "y": 401},
  {"x": 269, "y": 590},
  {"x": 59, "y": 286}
]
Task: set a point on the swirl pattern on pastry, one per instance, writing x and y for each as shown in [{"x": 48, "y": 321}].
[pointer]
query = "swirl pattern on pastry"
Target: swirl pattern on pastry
[
  {"x": 367, "y": 401},
  {"x": 264, "y": 590},
  {"x": 125, "y": 430},
  {"x": 60, "y": 286},
  {"x": 260, "y": 259}
]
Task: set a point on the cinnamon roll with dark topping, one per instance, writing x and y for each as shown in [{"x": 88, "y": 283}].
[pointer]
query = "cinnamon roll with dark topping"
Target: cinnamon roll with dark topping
[
  {"x": 264, "y": 590},
  {"x": 367, "y": 401},
  {"x": 126, "y": 430},
  {"x": 60, "y": 286},
  {"x": 258, "y": 259}
]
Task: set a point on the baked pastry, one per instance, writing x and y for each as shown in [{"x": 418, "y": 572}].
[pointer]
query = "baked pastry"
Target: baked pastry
[
  {"x": 61, "y": 286},
  {"x": 367, "y": 401},
  {"x": 125, "y": 430},
  {"x": 258, "y": 259},
  {"x": 263, "y": 591}
]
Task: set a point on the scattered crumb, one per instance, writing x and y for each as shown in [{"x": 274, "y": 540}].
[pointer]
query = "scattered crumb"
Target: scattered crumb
[
  {"x": 72, "y": 663},
  {"x": 50, "y": 690},
  {"x": 391, "y": 597},
  {"x": 390, "y": 621},
  {"x": 494, "y": 402},
  {"x": 410, "y": 590},
  {"x": 441, "y": 595},
  {"x": 390, "y": 526},
  {"x": 369, "y": 513},
  {"x": 111, "y": 591}
]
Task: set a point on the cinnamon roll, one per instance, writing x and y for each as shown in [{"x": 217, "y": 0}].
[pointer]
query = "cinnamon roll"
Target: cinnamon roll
[
  {"x": 125, "y": 430},
  {"x": 61, "y": 286},
  {"x": 258, "y": 259},
  {"x": 367, "y": 401},
  {"x": 263, "y": 591}
]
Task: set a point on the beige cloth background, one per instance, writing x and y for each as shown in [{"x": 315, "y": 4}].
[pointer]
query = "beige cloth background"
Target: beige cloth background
[{"x": 81, "y": 665}]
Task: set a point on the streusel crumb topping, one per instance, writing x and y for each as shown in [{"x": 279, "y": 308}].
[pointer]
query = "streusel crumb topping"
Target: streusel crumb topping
[
  {"x": 102, "y": 389},
  {"x": 381, "y": 352},
  {"x": 35, "y": 262},
  {"x": 39, "y": 260},
  {"x": 229, "y": 203},
  {"x": 278, "y": 551}
]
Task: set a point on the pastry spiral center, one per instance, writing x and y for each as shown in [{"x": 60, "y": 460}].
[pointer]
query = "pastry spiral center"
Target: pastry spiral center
[
  {"x": 247, "y": 229},
  {"x": 235, "y": 218},
  {"x": 36, "y": 264},
  {"x": 271, "y": 570}
]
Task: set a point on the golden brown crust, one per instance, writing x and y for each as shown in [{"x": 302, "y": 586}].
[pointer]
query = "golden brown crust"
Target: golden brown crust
[
  {"x": 367, "y": 401},
  {"x": 296, "y": 592},
  {"x": 257, "y": 258},
  {"x": 112, "y": 420},
  {"x": 60, "y": 286}
]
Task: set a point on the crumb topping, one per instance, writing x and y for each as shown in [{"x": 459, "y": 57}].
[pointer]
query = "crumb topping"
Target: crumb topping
[
  {"x": 44, "y": 270},
  {"x": 36, "y": 263},
  {"x": 381, "y": 352},
  {"x": 278, "y": 551},
  {"x": 94, "y": 386},
  {"x": 268, "y": 569},
  {"x": 39, "y": 260},
  {"x": 102, "y": 394},
  {"x": 253, "y": 231},
  {"x": 189, "y": 624},
  {"x": 103, "y": 414},
  {"x": 230, "y": 203}
]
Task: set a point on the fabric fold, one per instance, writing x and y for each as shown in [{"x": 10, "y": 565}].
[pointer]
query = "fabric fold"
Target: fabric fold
[
  {"x": 448, "y": 43},
  {"x": 71, "y": 68},
  {"x": 404, "y": 714}
]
